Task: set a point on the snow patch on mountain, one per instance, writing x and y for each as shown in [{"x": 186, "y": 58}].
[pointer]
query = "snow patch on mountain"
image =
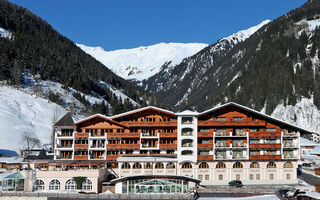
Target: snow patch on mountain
[
  {"x": 309, "y": 25},
  {"x": 145, "y": 61},
  {"x": 304, "y": 114},
  {"x": 5, "y": 34}
]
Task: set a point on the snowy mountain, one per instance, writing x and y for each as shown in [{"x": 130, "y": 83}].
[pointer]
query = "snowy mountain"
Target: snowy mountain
[
  {"x": 5, "y": 34},
  {"x": 174, "y": 84},
  {"x": 145, "y": 61}
]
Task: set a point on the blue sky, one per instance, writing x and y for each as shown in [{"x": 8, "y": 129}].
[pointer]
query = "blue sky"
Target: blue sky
[{"x": 119, "y": 24}]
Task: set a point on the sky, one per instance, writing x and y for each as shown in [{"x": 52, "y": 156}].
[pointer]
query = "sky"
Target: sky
[{"x": 123, "y": 24}]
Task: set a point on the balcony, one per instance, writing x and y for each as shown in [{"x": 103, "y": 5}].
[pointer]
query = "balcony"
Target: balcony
[
  {"x": 290, "y": 145},
  {"x": 80, "y": 157},
  {"x": 265, "y": 157},
  {"x": 112, "y": 157},
  {"x": 97, "y": 135},
  {"x": 96, "y": 157},
  {"x": 265, "y": 134},
  {"x": 239, "y": 157},
  {"x": 168, "y": 146},
  {"x": 205, "y": 146},
  {"x": 168, "y": 135},
  {"x": 80, "y": 146},
  {"x": 123, "y": 146},
  {"x": 81, "y": 135},
  {"x": 65, "y": 135},
  {"x": 229, "y": 122},
  {"x": 230, "y": 134},
  {"x": 220, "y": 157},
  {"x": 149, "y": 135},
  {"x": 205, "y": 134},
  {"x": 65, "y": 146},
  {"x": 291, "y": 134},
  {"x": 97, "y": 146},
  {"x": 293, "y": 157},
  {"x": 221, "y": 146},
  {"x": 149, "y": 124},
  {"x": 123, "y": 135},
  {"x": 149, "y": 146},
  {"x": 66, "y": 157},
  {"x": 205, "y": 157},
  {"x": 265, "y": 146},
  {"x": 187, "y": 145},
  {"x": 239, "y": 145}
]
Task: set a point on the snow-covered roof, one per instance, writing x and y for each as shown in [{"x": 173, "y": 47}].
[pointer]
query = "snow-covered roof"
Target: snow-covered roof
[
  {"x": 188, "y": 112},
  {"x": 315, "y": 151},
  {"x": 306, "y": 142},
  {"x": 142, "y": 109},
  {"x": 256, "y": 112},
  {"x": 11, "y": 160}
]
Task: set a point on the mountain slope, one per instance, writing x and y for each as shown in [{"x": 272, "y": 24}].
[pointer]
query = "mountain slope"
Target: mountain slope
[
  {"x": 174, "y": 84},
  {"x": 143, "y": 62}
]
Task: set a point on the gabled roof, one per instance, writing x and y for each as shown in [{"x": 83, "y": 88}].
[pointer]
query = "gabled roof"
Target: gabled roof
[
  {"x": 66, "y": 120},
  {"x": 143, "y": 109},
  {"x": 102, "y": 117},
  {"x": 257, "y": 113},
  {"x": 16, "y": 175}
]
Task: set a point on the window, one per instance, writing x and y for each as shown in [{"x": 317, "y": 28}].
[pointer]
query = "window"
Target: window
[
  {"x": 237, "y": 176},
  {"x": 258, "y": 176},
  {"x": 54, "y": 185},
  {"x": 200, "y": 177},
  {"x": 271, "y": 152},
  {"x": 221, "y": 165},
  {"x": 237, "y": 119},
  {"x": 221, "y": 132},
  {"x": 288, "y": 165},
  {"x": 87, "y": 185},
  {"x": 148, "y": 165},
  {"x": 251, "y": 176},
  {"x": 254, "y": 141},
  {"x": 254, "y": 165},
  {"x": 187, "y": 143},
  {"x": 271, "y": 130},
  {"x": 186, "y": 120},
  {"x": 207, "y": 177},
  {"x": 136, "y": 166},
  {"x": 186, "y": 166},
  {"x": 203, "y": 165},
  {"x": 220, "y": 177},
  {"x": 221, "y": 119},
  {"x": 271, "y": 165},
  {"x": 205, "y": 142},
  {"x": 288, "y": 176},
  {"x": 203, "y": 152},
  {"x": 38, "y": 185},
  {"x": 171, "y": 165},
  {"x": 187, "y": 132},
  {"x": 70, "y": 185},
  {"x": 186, "y": 153},
  {"x": 125, "y": 166},
  {"x": 237, "y": 165},
  {"x": 159, "y": 165},
  {"x": 253, "y": 130},
  {"x": 271, "y": 176}
]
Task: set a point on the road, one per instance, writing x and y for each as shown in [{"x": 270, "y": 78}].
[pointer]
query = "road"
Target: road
[{"x": 310, "y": 179}]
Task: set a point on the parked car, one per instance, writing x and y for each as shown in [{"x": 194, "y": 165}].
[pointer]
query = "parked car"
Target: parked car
[
  {"x": 283, "y": 192},
  {"x": 293, "y": 192},
  {"x": 306, "y": 165},
  {"x": 236, "y": 183}
]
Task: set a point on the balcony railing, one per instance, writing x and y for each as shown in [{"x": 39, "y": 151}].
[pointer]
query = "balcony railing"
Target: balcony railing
[
  {"x": 64, "y": 146},
  {"x": 81, "y": 135},
  {"x": 168, "y": 146},
  {"x": 96, "y": 157},
  {"x": 265, "y": 146},
  {"x": 112, "y": 157},
  {"x": 80, "y": 157},
  {"x": 80, "y": 146},
  {"x": 123, "y": 135},
  {"x": 265, "y": 157},
  {"x": 97, "y": 135},
  {"x": 290, "y": 146},
  {"x": 66, "y": 157},
  {"x": 189, "y": 133},
  {"x": 65, "y": 135},
  {"x": 221, "y": 145},
  {"x": 149, "y": 146},
  {"x": 290, "y": 157},
  {"x": 187, "y": 145},
  {"x": 149, "y": 135},
  {"x": 239, "y": 145},
  {"x": 265, "y": 134},
  {"x": 123, "y": 146},
  {"x": 218, "y": 157},
  {"x": 149, "y": 124},
  {"x": 239, "y": 157},
  {"x": 97, "y": 146},
  {"x": 229, "y": 122},
  {"x": 290, "y": 134},
  {"x": 230, "y": 134},
  {"x": 205, "y": 157},
  {"x": 168, "y": 135},
  {"x": 205, "y": 134},
  {"x": 205, "y": 146}
]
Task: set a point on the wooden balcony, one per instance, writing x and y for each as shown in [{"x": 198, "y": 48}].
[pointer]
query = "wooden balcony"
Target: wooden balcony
[
  {"x": 265, "y": 134},
  {"x": 81, "y": 146},
  {"x": 265, "y": 157},
  {"x": 123, "y": 146},
  {"x": 168, "y": 135},
  {"x": 232, "y": 123},
  {"x": 80, "y": 157},
  {"x": 123, "y": 135},
  {"x": 149, "y": 124},
  {"x": 97, "y": 135},
  {"x": 168, "y": 146},
  {"x": 64, "y": 135},
  {"x": 265, "y": 146},
  {"x": 205, "y": 146},
  {"x": 112, "y": 157},
  {"x": 81, "y": 135},
  {"x": 205, "y": 157},
  {"x": 205, "y": 134}
]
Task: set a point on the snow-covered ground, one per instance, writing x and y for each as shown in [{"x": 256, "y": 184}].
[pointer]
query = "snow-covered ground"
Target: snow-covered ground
[{"x": 145, "y": 61}]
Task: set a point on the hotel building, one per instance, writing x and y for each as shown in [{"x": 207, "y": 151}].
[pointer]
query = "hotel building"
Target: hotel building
[{"x": 230, "y": 142}]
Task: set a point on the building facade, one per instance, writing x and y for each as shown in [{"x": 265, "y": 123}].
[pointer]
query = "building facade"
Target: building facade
[{"x": 230, "y": 142}]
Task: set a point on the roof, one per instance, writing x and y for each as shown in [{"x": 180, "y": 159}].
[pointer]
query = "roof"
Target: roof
[
  {"x": 66, "y": 120},
  {"x": 315, "y": 151},
  {"x": 41, "y": 156},
  {"x": 140, "y": 177},
  {"x": 188, "y": 112},
  {"x": 100, "y": 116},
  {"x": 257, "y": 113},
  {"x": 16, "y": 175},
  {"x": 306, "y": 142},
  {"x": 144, "y": 109},
  {"x": 11, "y": 160}
]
